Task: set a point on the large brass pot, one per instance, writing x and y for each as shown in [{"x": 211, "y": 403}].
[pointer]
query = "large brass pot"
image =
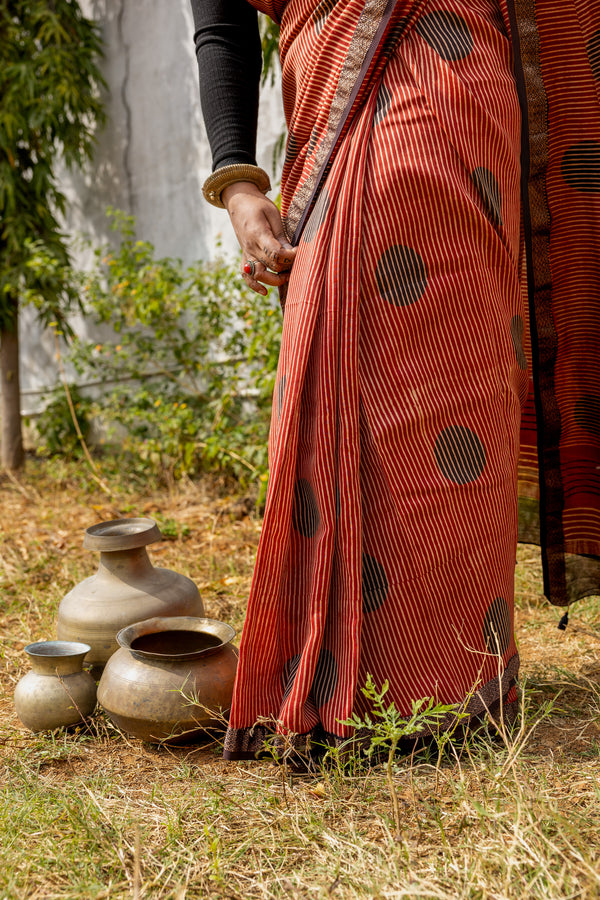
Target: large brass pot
[
  {"x": 126, "y": 588},
  {"x": 171, "y": 680}
]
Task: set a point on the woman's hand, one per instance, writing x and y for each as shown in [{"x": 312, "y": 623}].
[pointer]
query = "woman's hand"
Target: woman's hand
[{"x": 259, "y": 230}]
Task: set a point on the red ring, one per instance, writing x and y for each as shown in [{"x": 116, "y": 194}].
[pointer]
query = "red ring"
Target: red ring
[{"x": 249, "y": 268}]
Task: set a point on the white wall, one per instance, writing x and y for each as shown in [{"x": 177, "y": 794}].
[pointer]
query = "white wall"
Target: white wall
[{"x": 152, "y": 155}]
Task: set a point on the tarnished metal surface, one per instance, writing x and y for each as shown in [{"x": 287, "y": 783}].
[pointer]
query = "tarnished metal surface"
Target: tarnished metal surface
[
  {"x": 126, "y": 588},
  {"x": 57, "y": 691},
  {"x": 170, "y": 688}
]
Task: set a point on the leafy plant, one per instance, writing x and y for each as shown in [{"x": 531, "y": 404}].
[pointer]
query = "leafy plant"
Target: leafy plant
[
  {"x": 55, "y": 428},
  {"x": 387, "y": 727},
  {"x": 187, "y": 368},
  {"x": 171, "y": 529},
  {"x": 269, "y": 36}
]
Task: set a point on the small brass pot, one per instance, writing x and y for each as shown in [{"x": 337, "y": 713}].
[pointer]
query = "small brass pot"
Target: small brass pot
[
  {"x": 171, "y": 680},
  {"x": 57, "y": 691}
]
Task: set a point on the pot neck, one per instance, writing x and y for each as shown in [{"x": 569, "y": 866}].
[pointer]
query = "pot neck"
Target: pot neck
[
  {"x": 57, "y": 665},
  {"x": 122, "y": 564}
]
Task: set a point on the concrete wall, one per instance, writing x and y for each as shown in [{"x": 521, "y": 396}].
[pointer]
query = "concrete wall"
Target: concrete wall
[{"x": 152, "y": 156}]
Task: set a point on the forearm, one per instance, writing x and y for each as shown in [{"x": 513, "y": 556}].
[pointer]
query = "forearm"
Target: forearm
[{"x": 229, "y": 62}]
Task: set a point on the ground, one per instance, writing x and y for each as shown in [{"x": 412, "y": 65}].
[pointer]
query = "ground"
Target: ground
[{"x": 93, "y": 813}]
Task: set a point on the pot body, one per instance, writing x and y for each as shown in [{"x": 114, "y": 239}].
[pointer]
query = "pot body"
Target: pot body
[
  {"x": 177, "y": 691},
  {"x": 57, "y": 692},
  {"x": 127, "y": 588}
]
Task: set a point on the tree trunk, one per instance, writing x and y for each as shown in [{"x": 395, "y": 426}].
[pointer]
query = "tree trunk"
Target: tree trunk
[{"x": 11, "y": 454}]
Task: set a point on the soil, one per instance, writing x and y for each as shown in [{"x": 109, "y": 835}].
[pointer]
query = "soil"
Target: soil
[{"x": 215, "y": 537}]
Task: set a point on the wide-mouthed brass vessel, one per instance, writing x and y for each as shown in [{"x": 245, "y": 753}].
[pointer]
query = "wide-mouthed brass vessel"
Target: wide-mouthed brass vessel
[{"x": 172, "y": 678}]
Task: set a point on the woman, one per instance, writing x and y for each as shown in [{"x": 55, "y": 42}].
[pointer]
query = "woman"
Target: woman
[{"x": 404, "y": 391}]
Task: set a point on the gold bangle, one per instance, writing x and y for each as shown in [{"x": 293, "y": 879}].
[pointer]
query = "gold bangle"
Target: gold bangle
[{"x": 220, "y": 179}]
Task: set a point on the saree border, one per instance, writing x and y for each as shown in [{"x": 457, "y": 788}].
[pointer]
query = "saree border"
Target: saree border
[
  {"x": 370, "y": 31},
  {"x": 544, "y": 338},
  {"x": 261, "y": 740}
]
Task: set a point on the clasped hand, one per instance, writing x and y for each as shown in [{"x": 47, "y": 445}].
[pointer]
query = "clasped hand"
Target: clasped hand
[{"x": 259, "y": 230}]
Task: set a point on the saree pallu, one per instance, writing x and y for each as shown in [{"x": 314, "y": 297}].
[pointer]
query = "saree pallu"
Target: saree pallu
[{"x": 389, "y": 539}]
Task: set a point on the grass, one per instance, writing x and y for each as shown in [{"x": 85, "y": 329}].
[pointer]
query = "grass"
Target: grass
[{"x": 90, "y": 813}]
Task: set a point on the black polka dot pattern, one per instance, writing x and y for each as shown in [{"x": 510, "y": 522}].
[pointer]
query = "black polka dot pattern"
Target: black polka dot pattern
[
  {"x": 317, "y": 216},
  {"x": 447, "y": 33},
  {"x": 292, "y": 146},
  {"x": 593, "y": 52},
  {"x": 289, "y": 674},
  {"x": 401, "y": 275},
  {"x": 384, "y": 100},
  {"x": 496, "y": 627},
  {"x": 324, "y": 682},
  {"x": 374, "y": 584},
  {"x": 489, "y": 191},
  {"x": 326, "y": 677},
  {"x": 395, "y": 35},
  {"x": 460, "y": 454},
  {"x": 587, "y": 414},
  {"x": 516, "y": 333},
  {"x": 580, "y": 167},
  {"x": 305, "y": 517},
  {"x": 321, "y": 13}
]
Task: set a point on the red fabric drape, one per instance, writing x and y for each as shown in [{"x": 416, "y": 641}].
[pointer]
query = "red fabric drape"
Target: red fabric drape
[{"x": 388, "y": 545}]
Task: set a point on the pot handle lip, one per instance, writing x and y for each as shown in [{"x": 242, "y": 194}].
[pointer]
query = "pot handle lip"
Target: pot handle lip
[
  {"x": 121, "y": 534},
  {"x": 57, "y": 649},
  {"x": 221, "y": 630}
]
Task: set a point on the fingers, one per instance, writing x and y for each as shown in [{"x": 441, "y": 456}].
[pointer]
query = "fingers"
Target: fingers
[
  {"x": 260, "y": 232},
  {"x": 268, "y": 247},
  {"x": 260, "y": 275},
  {"x": 277, "y": 249}
]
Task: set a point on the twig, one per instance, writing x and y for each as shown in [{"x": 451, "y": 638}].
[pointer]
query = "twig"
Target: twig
[
  {"x": 20, "y": 487},
  {"x": 137, "y": 871},
  {"x": 84, "y": 447},
  {"x": 391, "y": 787},
  {"x": 84, "y": 719},
  {"x": 577, "y": 629},
  {"x": 233, "y": 455}
]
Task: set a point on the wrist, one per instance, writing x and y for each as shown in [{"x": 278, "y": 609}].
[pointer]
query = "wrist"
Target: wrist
[
  {"x": 222, "y": 178},
  {"x": 237, "y": 189}
]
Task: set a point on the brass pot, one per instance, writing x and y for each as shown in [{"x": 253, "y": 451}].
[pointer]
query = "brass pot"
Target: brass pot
[
  {"x": 172, "y": 679},
  {"x": 126, "y": 588},
  {"x": 57, "y": 691}
]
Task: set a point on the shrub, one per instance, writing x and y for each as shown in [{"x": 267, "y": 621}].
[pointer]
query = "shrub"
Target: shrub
[
  {"x": 54, "y": 427},
  {"x": 188, "y": 365}
]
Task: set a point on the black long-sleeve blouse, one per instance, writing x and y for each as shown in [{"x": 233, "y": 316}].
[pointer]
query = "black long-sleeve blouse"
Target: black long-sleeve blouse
[{"x": 229, "y": 56}]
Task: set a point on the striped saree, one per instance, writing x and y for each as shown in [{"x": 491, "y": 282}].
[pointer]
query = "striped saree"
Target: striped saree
[{"x": 409, "y": 391}]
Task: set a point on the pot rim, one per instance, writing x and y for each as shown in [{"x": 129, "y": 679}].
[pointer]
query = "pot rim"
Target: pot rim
[
  {"x": 155, "y": 625},
  {"x": 121, "y": 534},
  {"x": 57, "y": 649}
]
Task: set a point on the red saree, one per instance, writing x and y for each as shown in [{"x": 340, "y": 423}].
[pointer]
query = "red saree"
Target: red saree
[{"x": 388, "y": 546}]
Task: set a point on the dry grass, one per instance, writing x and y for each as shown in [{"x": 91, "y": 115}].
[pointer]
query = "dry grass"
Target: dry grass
[{"x": 92, "y": 814}]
